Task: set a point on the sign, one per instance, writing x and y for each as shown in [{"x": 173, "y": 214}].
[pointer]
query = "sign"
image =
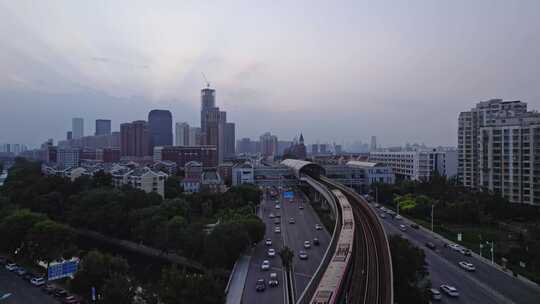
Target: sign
[
  {"x": 459, "y": 237},
  {"x": 93, "y": 293},
  {"x": 522, "y": 264},
  {"x": 288, "y": 195},
  {"x": 63, "y": 269}
]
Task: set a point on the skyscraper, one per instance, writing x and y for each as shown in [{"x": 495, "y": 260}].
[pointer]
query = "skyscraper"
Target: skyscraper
[
  {"x": 69, "y": 135},
  {"x": 135, "y": 139},
  {"x": 182, "y": 134},
  {"x": 160, "y": 128},
  {"x": 269, "y": 144},
  {"x": 230, "y": 139},
  {"x": 373, "y": 145},
  {"x": 77, "y": 127},
  {"x": 194, "y": 136},
  {"x": 103, "y": 127}
]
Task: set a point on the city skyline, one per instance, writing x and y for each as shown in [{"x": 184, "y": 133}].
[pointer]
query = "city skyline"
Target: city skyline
[{"x": 397, "y": 68}]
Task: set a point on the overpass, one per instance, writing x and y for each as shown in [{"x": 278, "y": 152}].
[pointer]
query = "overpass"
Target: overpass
[{"x": 357, "y": 266}]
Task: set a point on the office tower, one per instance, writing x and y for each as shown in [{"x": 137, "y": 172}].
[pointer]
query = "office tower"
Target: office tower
[
  {"x": 247, "y": 146},
  {"x": 160, "y": 128},
  {"x": 77, "y": 127},
  {"x": 373, "y": 145},
  {"x": 498, "y": 149},
  {"x": 269, "y": 144},
  {"x": 213, "y": 123},
  {"x": 182, "y": 134},
  {"x": 135, "y": 139},
  {"x": 194, "y": 136},
  {"x": 229, "y": 140},
  {"x": 103, "y": 127},
  {"x": 68, "y": 158},
  {"x": 69, "y": 135}
]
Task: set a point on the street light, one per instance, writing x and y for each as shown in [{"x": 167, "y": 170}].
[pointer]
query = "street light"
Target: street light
[{"x": 432, "y": 212}]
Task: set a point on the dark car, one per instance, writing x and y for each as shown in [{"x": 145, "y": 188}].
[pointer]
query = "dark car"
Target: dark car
[
  {"x": 415, "y": 226},
  {"x": 316, "y": 242},
  {"x": 3, "y": 260},
  {"x": 430, "y": 245},
  {"x": 49, "y": 289},
  {"x": 70, "y": 300},
  {"x": 28, "y": 276},
  {"x": 260, "y": 285},
  {"x": 60, "y": 293}
]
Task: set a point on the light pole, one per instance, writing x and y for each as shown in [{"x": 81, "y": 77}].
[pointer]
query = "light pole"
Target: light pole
[
  {"x": 432, "y": 211},
  {"x": 376, "y": 194}
]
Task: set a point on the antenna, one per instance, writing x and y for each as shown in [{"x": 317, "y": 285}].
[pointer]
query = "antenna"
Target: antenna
[{"x": 206, "y": 80}]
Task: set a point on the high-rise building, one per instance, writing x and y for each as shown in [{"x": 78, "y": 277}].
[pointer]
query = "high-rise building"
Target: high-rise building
[
  {"x": 229, "y": 140},
  {"x": 323, "y": 148},
  {"x": 499, "y": 149},
  {"x": 314, "y": 149},
  {"x": 77, "y": 127},
  {"x": 194, "y": 137},
  {"x": 182, "y": 134},
  {"x": 103, "y": 127},
  {"x": 338, "y": 149},
  {"x": 160, "y": 128},
  {"x": 247, "y": 146},
  {"x": 68, "y": 158},
  {"x": 69, "y": 135},
  {"x": 135, "y": 139},
  {"x": 373, "y": 145},
  {"x": 269, "y": 144}
]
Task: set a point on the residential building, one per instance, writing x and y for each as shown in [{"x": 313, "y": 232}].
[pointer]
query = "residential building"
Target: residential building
[
  {"x": 108, "y": 155},
  {"x": 68, "y": 158},
  {"x": 140, "y": 178},
  {"x": 182, "y": 134},
  {"x": 229, "y": 140},
  {"x": 194, "y": 137},
  {"x": 499, "y": 149},
  {"x": 374, "y": 172},
  {"x": 77, "y": 127},
  {"x": 247, "y": 146},
  {"x": 418, "y": 165},
  {"x": 69, "y": 135},
  {"x": 160, "y": 128},
  {"x": 269, "y": 144},
  {"x": 134, "y": 139},
  {"x": 206, "y": 155},
  {"x": 103, "y": 127}
]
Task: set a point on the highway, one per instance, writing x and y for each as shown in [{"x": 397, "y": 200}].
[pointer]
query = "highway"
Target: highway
[
  {"x": 292, "y": 235},
  {"x": 486, "y": 285}
]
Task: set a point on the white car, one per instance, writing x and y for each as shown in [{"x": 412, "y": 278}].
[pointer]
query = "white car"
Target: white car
[
  {"x": 38, "y": 281},
  {"x": 402, "y": 227},
  {"x": 277, "y": 230},
  {"x": 302, "y": 255},
  {"x": 11, "y": 266},
  {"x": 265, "y": 265},
  {"x": 278, "y": 207},
  {"x": 383, "y": 215},
  {"x": 268, "y": 242},
  {"x": 449, "y": 290},
  {"x": 435, "y": 294},
  {"x": 307, "y": 244},
  {"x": 318, "y": 227},
  {"x": 398, "y": 217},
  {"x": 291, "y": 220},
  {"x": 455, "y": 247},
  {"x": 467, "y": 266},
  {"x": 273, "y": 280},
  {"x": 271, "y": 215},
  {"x": 271, "y": 252}
]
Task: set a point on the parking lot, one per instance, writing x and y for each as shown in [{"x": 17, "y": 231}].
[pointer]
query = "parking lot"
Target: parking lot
[{"x": 22, "y": 292}]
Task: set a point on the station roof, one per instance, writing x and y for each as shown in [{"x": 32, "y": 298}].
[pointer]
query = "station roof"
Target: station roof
[
  {"x": 303, "y": 167},
  {"x": 363, "y": 164}
]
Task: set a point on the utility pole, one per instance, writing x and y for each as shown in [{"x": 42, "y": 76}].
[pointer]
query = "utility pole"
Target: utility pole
[
  {"x": 377, "y": 194},
  {"x": 492, "y": 253},
  {"x": 432, "y": 211}
]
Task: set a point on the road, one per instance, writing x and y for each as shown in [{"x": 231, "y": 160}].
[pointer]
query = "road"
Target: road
[
  {"x": 293, "y": 235},
  {"x": 486, "y": 285},
  {"x": 21, "y": 291}
]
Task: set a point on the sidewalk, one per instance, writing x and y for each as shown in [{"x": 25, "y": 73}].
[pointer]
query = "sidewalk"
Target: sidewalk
[{"x": 235, "y": 288}]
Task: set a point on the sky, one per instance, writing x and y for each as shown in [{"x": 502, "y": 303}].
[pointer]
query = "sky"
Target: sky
[{"x": 337, "y": 71}]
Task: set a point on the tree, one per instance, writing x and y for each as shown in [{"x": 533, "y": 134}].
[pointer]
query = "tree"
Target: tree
[
  {"x": 48, "y": 240},
  {"x": 225, "y": 244},
  {"x": 286, "y": 254},
  {"x": 14, "y": 229},
  {"x": 411, "y": 283},
  {"x": 180, "y": 287},
  {"x": 254, "y": 227},
  {"x": 118, "y": 289},
  {"x": 101, "y": 179},
  {"x": 172, "y": 187}
]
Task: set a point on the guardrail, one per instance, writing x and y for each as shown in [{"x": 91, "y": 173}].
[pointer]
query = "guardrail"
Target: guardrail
[{"x": 307, "y": 294}]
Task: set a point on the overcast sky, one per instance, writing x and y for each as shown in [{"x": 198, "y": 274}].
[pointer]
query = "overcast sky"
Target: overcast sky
[{"x": 334, "y": 70}]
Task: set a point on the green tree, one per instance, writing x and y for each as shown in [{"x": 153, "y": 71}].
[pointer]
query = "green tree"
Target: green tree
[
  {"x": 118, "y": 289},
  {"x": 172, "y": 187},
  {"x": 101, "y": 179},
  {"x": 48, "y": 240},
  {"x": 14, "y": 229},
  {"x": 254, "y": 227},
  {"x": 225, "y": 244},
  {"x": 286, "y": 254},
  {"x": 411, "y": 283},
  {"x": 180, "y": 287}
]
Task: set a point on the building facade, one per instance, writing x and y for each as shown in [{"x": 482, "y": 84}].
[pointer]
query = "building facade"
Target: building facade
[
  {"x": 206, "y": 155},
  {"x": 269, "y": 144},
  {"x": 182, "y": 134},
  {"x": 134, "y": 139},
  {"x": 77, "y": 127},
  {"x": 160, "y": 128},
  {"x": 103, "y": 127},
  {"x": 499, "y": 149}
]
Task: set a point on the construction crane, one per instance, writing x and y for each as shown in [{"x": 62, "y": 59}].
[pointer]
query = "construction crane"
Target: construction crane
[{"x": 206, "y": 80}]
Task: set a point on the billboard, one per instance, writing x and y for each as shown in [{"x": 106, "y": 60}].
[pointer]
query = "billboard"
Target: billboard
[
  {"x": 62, "y": 269},
  {"x": 288, "y": 195}
]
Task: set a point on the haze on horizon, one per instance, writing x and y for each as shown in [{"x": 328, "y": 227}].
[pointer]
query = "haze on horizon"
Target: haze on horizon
[{"x": 334, "y": 70}]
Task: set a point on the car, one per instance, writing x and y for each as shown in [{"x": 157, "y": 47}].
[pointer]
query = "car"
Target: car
[
  {"x": 402, "y": 227},
  {"x": 449, "y": 290},
  {"x": 430, "y": 245},
  {"x": 318, "y": 227},
  {"x": 3, "y": 260},
  {"x": 465, "y": 251},
  {"x": 268, "y": 242},
  {"x": 301, "y": 206},
  {"x": 38, "y": 281},
  {"x": 271, "y": 215},
  {"x": 307, "y": 244},
  {"x": 277, "y": 230},
  {"x": 48, "y": 288},
  {"x": 383, "y": 215},
  {"x": 377, "y": 205},
  {"x": 277, "y": 221},
  {"x": 278, "y": 207},
  {"x": 398, "y": 217},
  {"x": 265, "y": 265},
  {"x": 70, "y": 300},
  {"x": 415, "y": 226},
  {"x": 278, "y": 215},
  {"x": 60, "y": 293},
  {"x": 316, "y": 242},
  {"x": 20, "y": 271},
  {"x": 273, "y": 281},
  {"x": 302, "y": 255},
  {"x": 29, "y": 276},
  {"x": 291, "y": 220},
  {"x": 467, "y": 266},
  {"x": 454, "y": 247},
  {"x": 11, "y": 266},
  {"x": 435, "y": 294},
  {"x": 260, "y": 285},
  {"x": 271, "y": 252}
]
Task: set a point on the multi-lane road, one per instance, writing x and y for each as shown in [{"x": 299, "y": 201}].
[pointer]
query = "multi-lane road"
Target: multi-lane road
[
  {"x": 486, "y": 285},
  {"x": 292, "y": 236}
]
